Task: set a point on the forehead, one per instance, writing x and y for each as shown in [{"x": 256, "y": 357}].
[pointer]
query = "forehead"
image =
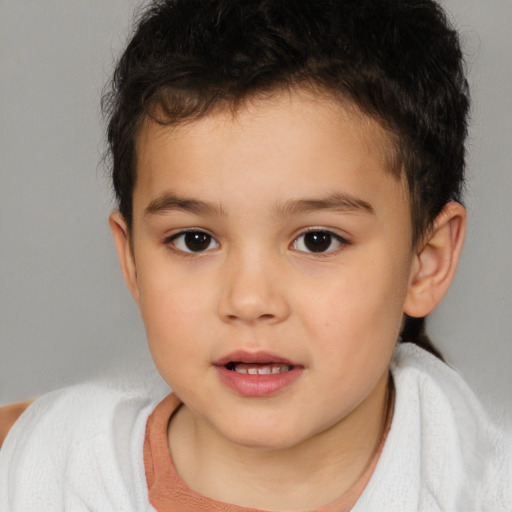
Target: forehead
[{"x": 284, "y": 144}]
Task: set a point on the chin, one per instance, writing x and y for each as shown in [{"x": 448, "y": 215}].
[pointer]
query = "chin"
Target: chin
[
  {"x": 264, "y": 442},
  {"x": 262, "y": 435}
]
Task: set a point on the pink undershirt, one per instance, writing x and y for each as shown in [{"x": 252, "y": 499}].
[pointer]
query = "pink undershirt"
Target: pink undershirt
[{"x": 168, "y": 492}]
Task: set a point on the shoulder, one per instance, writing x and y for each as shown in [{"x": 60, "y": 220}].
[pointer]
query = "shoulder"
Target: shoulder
[
  {"x": 77, "y": 413},
  {"x": 9, "y": 414},
  {"x": 437, "y": 390},
  {"x": 463, "y": 456},
  {"x": 68, "y": 443}
]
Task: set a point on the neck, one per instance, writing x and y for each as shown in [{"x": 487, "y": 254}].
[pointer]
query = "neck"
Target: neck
[{"x": 305, "y": 476}]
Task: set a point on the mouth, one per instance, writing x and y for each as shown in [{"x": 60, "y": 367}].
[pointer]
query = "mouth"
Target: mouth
[
  {"x": 258, "y": 368},
  {"x": 258, "y": 374},
  {"x": 255, "y": 363}
]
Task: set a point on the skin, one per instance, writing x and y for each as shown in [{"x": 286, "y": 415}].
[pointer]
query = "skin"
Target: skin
[{"x": 260, "y": 178}]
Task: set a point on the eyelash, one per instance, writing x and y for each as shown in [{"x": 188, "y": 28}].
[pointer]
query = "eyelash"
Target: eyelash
[
  {"x": 171, "y": 241},
  {"x": 331, "y": 237},
  {"x": 341, "y": 241}
]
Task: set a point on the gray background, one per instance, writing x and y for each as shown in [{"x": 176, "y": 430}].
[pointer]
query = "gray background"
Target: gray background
[{"x": 65, "y": 315}]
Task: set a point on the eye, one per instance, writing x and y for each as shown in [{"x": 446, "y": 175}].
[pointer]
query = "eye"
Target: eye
[
  {"x": 318, "y": 241},
  {"x": 193, "y": 241}
]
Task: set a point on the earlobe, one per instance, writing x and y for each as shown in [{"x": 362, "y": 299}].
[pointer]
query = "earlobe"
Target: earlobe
[
  {"x": 435, "y": 261},
  {"x": 122, "y": 239}
]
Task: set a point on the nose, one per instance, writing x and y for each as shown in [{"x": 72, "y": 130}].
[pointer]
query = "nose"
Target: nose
[{"x": 253, "y": 291}]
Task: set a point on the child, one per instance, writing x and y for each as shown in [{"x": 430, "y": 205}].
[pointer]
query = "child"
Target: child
[{"x": 288, "y": 175}]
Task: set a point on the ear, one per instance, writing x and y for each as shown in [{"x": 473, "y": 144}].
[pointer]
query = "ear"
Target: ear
[
  {"x": 435, "y": 261},
  {"x": 122, "y": 239}
]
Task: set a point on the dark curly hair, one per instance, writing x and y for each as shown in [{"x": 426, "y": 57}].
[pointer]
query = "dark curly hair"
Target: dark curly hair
[{"x": 397, "y": 61}]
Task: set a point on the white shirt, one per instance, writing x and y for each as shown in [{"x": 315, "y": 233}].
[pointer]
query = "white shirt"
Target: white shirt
[{"x": 81, "y": 449}]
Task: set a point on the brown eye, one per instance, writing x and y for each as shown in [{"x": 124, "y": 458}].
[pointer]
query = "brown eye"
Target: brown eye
[
  {"x": 318, "y": 242},
  {"x": 194, "y": 241}
]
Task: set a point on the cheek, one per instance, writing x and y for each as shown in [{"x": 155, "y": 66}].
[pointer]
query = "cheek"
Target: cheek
[
  {"x": 354, "y": 330},
  {"x": 361, "y": 309},
  {"x": 174, "y": 314},
  {"x": 175, "y": 333}
]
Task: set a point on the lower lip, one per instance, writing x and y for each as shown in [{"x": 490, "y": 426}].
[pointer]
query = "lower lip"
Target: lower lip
[{"x": 258, "y": 385}]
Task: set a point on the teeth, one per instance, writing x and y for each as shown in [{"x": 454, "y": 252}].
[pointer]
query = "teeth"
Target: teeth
[{"x": 259, "y": 369}]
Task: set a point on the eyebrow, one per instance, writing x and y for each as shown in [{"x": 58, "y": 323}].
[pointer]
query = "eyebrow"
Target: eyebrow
[
  {"x": 339, "y": 202},
  {"x": 172, "y": 202}
]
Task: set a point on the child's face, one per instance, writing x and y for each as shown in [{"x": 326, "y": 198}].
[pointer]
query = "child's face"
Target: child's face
[{"x": 278, "y": 239}]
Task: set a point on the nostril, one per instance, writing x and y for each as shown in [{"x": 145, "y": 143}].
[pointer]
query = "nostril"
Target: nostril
[{"x": 249, "y": 306}]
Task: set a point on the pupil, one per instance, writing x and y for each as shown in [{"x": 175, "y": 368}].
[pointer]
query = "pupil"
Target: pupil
[
  {"x": 317, "y": 241},
  {"x": 197, "y": 241}
]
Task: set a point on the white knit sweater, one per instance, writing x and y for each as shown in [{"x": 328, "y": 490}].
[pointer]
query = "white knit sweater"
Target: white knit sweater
[{"x": 80, "y": 449}]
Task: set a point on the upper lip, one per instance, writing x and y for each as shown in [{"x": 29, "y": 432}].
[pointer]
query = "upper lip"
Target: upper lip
[{"x": 242, "y": 356}]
